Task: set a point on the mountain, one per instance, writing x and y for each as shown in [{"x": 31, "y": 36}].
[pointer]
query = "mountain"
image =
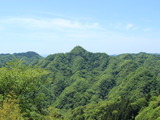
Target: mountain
[
  {"x": 29, "y": 54},
  {"x": 81, "y": 85},
  {"x": 81, "y": 78},
  {"x": 29, "y": 58}
]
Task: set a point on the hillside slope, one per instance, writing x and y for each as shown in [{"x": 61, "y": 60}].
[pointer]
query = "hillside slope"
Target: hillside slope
[
  {"x": 81, "y": 78},
  {"x": 80, "y": 85},
  {"x": 29, "y": 58}
]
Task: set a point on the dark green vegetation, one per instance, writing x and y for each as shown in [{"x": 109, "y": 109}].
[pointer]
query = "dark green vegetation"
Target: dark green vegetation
[
  {"x": 29, "y": 58},
  {"x": 81, "y": 85}
]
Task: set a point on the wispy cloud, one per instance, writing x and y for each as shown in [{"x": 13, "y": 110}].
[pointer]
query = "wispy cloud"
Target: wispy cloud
[
  {"x": 124, "y": 26},
  {"x": 129, "y": 26},
  {"x": 50, "y": 23},
  {"x": 51, "y": 33},
  {"x": 147, "y": 29}
]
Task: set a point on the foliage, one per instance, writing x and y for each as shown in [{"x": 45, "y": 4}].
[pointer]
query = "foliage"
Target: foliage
[
  {"x": 29, "y": 58},
  {"x": 81, "y": 85},
  {"x": 11, "y": 110},
  {"x": 22, "y": 83},
  {"x": 151, "y": 112}
]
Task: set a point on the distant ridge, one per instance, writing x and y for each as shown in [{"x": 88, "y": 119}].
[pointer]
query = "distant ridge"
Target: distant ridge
[
  {"x": 29, "y": 58},
  {"x": 28, "y": 54}
]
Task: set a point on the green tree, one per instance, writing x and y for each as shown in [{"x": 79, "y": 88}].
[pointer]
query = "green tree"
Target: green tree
[{"x": 24, "y": 84}]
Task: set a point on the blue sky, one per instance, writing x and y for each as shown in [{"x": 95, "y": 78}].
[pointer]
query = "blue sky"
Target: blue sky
[{"x": 52, "y": 26}]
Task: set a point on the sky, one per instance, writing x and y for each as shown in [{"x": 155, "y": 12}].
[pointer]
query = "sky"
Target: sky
[{"x": 57, "y": 26}]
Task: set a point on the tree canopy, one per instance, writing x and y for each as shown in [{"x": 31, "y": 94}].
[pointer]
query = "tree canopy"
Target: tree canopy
[{"x": 81, "y": 85}]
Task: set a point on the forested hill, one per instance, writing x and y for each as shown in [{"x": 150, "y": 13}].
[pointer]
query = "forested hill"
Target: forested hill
[
  {"x": 81, "y": 85},
  {"x": 83, "y": 78},
  {"x": 29, "y": 58}
]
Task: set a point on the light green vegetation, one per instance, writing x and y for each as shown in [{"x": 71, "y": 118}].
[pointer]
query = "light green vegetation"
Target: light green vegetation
[{"x": 81, "y": 85}]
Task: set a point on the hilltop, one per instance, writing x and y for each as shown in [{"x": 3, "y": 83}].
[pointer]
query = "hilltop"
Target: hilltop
[{"x": 29, "y": 58}]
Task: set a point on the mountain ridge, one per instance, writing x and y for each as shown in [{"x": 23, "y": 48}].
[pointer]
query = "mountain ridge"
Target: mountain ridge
[
  {"x": 96, "y": 86},
  {"x": 29, "y": 58},
  {"x": 81, "y": 76}
]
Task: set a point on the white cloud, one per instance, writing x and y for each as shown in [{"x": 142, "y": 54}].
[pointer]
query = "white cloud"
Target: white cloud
[
  {"x": 124, "y": 26},
  {"x": 129, "y": 26},
  {"x": 49, "y": 23}
]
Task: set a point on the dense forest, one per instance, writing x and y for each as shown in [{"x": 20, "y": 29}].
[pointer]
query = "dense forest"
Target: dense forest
[{"x": 79, "y": 85}]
